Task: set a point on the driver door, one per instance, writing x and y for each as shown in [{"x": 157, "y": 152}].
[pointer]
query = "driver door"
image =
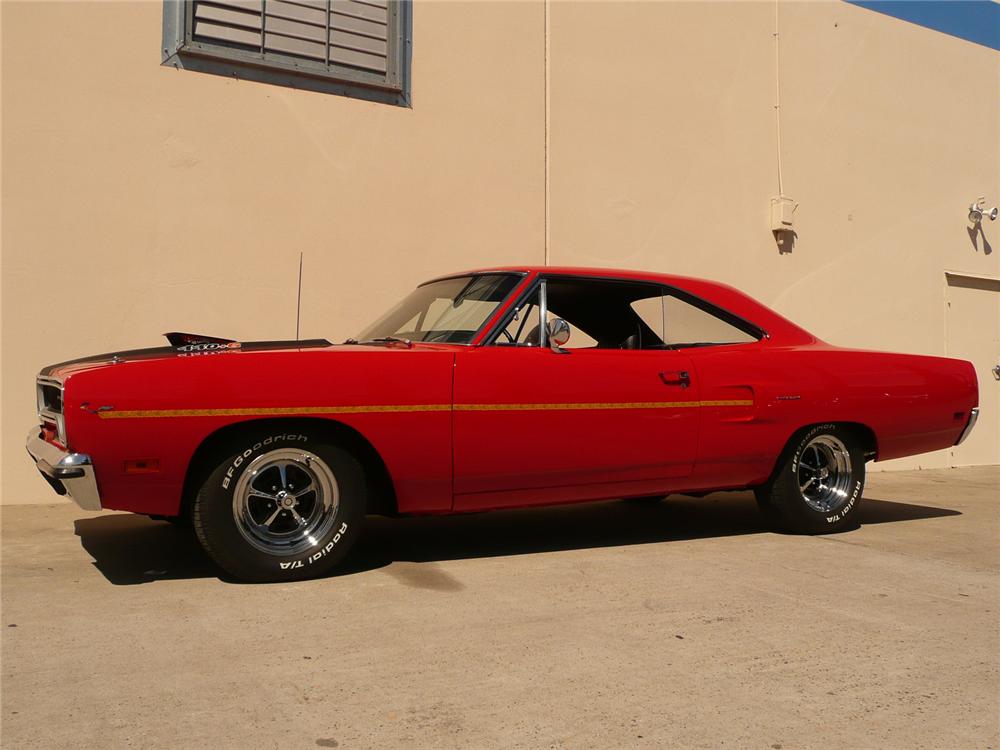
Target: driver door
[{"x": 537, "y": 425}]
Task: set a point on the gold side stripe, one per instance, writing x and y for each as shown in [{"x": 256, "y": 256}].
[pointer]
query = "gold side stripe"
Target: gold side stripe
[
  {"x": 277, "y": 411},
  {"x": 601, "y": 405},
  {"x": 577, "y": 407},
  {"x": 285, "y": 411}
]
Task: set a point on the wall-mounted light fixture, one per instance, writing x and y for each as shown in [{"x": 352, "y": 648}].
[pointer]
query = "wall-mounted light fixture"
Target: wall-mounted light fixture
[
  {"x": 978, "y": 210},
  {"x": 783, "y": 222}
]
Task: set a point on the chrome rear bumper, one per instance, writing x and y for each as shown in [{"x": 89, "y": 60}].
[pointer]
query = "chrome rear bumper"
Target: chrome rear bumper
[
  {"x": 69, "y": 473},
  {"x": 973, "y": 416}
]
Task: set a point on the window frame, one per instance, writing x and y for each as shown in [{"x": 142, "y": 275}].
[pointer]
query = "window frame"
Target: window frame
[
  {"x": 181, "y": 50},
  {"x": 747, "y": 326},
  {"x": 523, "y": 309},
  {"x": 742, "y": 324},
  {"x": 505, "y": 316}
]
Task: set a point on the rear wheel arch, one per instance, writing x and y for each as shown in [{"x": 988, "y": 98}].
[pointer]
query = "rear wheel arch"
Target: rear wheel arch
[
  {"x": 381, "y": 491},
  {"x": 865, "y": 435}
]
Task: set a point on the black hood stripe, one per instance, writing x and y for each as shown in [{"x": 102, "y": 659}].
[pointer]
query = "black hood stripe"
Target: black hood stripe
[{"x": 166, "y": 351}]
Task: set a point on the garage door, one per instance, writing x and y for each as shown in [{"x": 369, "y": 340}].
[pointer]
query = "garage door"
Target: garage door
[{"x": 973, "y": 333}]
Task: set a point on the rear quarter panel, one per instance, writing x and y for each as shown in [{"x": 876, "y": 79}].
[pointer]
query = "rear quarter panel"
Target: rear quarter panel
[{"x": 913, "y": 404}]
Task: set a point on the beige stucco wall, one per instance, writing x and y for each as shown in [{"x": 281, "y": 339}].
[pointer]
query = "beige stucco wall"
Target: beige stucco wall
[
  {"x": 662, "y": 156},
  {"x": 138, "y": 199}
]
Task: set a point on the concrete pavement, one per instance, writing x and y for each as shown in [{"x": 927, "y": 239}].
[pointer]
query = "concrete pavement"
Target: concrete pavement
[{"x": 606, "y": 625}]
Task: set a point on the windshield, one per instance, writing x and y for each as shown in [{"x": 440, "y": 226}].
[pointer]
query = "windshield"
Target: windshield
[{"x": 448, "y": 311}]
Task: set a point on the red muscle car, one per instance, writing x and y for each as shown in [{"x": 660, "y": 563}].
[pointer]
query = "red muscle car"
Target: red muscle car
[{"x": 490, "y": 389}]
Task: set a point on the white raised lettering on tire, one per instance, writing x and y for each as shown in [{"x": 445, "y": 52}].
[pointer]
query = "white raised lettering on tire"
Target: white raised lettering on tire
[
  {"x": 319, "y": 554},
  {"x": 238, "y": 461}
]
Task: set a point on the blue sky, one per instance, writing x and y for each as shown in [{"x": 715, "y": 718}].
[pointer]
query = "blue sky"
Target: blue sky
[{"x": 976, "y": 21}]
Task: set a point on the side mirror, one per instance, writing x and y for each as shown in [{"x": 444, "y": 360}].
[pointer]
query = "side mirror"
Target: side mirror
[{"x": 558, "y": 332}]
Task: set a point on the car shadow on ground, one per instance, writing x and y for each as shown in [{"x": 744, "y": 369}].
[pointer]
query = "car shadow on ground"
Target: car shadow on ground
[{"x": 130, "y": 549}]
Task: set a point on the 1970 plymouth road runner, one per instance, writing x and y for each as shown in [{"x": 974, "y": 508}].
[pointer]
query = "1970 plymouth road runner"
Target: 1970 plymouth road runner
[{"x": 490, "y": 389}]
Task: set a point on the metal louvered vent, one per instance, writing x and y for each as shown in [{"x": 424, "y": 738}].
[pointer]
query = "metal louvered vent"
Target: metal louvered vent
[{"x": 354, "y": 42}]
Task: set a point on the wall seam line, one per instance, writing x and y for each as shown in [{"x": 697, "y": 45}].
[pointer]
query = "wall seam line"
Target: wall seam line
[
  {"x": 777, "y": 97},
  {"x": 545, "y": 146}
]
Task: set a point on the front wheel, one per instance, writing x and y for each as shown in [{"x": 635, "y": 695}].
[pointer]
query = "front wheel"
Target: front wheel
[
  {"x": 818, "y": 484},
  {"x": 280, "y": 506}
]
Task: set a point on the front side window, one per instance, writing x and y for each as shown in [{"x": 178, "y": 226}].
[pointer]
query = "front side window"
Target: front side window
[
  {"x": 447, "y": 311},
  {"x": 523, "y": 329},
  {"x": 351, "y": 47}
]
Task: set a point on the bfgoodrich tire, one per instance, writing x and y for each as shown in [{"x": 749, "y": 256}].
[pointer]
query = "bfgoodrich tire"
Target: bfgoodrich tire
[
  {"x": 280, "y": 506},
  {"x": 818, "y": 483}
]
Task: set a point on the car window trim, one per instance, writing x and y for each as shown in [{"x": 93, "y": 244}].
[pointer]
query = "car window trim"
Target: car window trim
[
  {"x": 737, "y": 321},
  {"x": 491, "y": 329},
  {"x": 507, "y": 314},
  {"x": 472, "y": 275}
]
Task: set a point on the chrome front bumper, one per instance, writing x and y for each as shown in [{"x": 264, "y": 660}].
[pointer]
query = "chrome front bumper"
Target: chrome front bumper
[
  {"x": 973, "y": 416},
  {"x": 69, "y": 473}
]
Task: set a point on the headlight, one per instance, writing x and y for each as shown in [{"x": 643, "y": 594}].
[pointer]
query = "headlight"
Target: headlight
[{"x": 50, "y": 405}]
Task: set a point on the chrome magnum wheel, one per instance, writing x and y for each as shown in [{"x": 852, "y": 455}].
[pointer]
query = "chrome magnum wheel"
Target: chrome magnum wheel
[
  {"x": 285, "y": 500},
  {"x": 818, "y": 482},
  {"x": 280, "y": 505},
  {"x": 824, "y": 473}
]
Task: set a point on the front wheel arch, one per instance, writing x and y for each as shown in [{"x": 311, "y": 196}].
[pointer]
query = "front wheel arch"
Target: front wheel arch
[{"x": 381, "y": 491}]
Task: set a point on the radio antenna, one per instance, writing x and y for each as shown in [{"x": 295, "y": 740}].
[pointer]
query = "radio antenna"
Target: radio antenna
[{"x": 298, "y": 301}]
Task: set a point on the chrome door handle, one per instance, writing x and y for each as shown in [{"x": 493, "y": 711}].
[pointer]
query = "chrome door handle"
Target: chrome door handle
[
  {"x": 682, "y": 378},
  {"x": 996, "y": 371}
]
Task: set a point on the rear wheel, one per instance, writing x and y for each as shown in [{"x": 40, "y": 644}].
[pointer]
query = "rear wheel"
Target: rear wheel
[
  {"x": 818, "y": 484},
  {"x": 280, "y": 506}
]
